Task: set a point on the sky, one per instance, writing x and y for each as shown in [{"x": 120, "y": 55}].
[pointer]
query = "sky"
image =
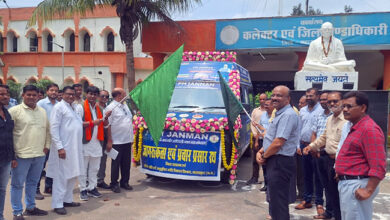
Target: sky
[{"x": 226, "y": 9}]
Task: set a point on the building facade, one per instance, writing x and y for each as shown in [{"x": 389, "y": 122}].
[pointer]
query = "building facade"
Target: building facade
[
  {"x": 274, "y": 49},
  {"x": 80, "y": 49}
]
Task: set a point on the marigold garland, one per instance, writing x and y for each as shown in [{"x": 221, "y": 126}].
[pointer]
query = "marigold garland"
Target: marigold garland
[
  {"x": 251, "y": 141},
  {"x": 137, "y": 151},
  {"x": 224, "y": 161}
]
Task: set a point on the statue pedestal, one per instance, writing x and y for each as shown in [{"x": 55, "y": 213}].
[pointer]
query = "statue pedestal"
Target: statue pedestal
[{"x": 326, "y": 80}]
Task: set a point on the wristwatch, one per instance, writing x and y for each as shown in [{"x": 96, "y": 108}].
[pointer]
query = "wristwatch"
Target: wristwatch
[{"x": 262, "y": 156}]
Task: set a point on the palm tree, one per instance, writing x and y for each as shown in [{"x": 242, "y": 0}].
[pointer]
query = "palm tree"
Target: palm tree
[{"x": 133, "y": 14}]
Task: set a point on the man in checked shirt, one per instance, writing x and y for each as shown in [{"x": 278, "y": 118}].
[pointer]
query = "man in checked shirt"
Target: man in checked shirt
[{"x": 361, "y": 162}]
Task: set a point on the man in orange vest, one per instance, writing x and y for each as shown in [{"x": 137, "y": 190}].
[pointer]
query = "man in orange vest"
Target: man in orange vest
[{"x": 93, "y": 137}]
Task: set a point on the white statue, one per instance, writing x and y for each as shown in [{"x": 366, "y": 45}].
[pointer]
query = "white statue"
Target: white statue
[{"x": 326, "y": 53}]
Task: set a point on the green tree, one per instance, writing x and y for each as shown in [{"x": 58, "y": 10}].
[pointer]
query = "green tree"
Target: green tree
[
  {"x": 298, "y": 11},
  {"x": 348, "y": 9},
  {"x": 15, "y": 89},
  {"x": 42, "y": 84},
  {"x": 133, "y": 14}
]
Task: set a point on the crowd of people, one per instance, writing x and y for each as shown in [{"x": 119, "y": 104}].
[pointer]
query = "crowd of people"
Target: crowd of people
[
  {"x": 63, "y": 138},
  {"x": 330, "y": 146}
]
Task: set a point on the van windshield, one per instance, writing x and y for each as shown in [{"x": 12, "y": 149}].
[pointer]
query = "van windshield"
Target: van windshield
[{"x": 197, "y": 100}]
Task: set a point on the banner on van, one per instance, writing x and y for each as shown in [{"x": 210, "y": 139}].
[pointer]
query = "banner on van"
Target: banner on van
[{"x": 183, "y": 155}]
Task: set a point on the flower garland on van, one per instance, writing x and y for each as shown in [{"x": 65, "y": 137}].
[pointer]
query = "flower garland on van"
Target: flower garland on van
[
  {"x": 220, "y": 56},
  {"x": 189, "y": 125},
  {"x": 137, "y": 151},
  {"x": 199, "y": 125}
]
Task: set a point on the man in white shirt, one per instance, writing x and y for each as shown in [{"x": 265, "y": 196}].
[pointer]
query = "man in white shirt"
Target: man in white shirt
[
  {"x": 256, "y": 115},
  {"x": 47, "y": 104},
  {"x": 65, "y": 162},
  {"x": 120, "y": 137},
  {"x": 103, "y": 99},
  {"x": 93, "y": 137}
]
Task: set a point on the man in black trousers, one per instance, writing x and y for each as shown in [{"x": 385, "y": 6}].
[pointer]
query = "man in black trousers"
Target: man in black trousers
[
  {"x": 120, "y": 138},
  {"x": 280, "y": 144}
]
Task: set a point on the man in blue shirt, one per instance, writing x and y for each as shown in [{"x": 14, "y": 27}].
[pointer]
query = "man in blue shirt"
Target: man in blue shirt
[
  {"x": 47, "y": 104},
  {"x": 280, "y": 145},
  {"x": 318, "y": 127},
  {"x": 307, "y": 115},
  {"x": 263, "y": 126}
]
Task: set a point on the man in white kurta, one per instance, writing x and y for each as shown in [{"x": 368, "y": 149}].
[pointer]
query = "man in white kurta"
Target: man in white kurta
[
  {"x": 93, "y": 137},
  {"x": 66, "y": 157}
]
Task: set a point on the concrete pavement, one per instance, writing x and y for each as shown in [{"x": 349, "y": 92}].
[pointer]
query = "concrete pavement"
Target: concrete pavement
[{"x": 160, "y": 199}]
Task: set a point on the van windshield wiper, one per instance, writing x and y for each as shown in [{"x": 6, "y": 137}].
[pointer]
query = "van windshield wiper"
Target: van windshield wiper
[{"x": 186, "y": 106}]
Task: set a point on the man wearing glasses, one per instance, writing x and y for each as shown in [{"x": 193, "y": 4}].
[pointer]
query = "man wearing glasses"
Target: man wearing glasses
[
  {"x": 103, "y": 99},
  {"x": 330, "y": 139},
  {"x": 120, "y": 137},
  {"x": 361, "y": 160},
  {"x": 280, "y": 145},
  {"x": 65, "y": 162}
]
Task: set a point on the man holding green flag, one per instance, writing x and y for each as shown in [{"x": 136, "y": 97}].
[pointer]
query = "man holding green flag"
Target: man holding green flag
[{"x": 153, "y": 95}]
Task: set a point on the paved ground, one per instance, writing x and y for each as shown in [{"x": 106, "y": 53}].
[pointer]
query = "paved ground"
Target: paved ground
[{"x": 155, "y": 199}]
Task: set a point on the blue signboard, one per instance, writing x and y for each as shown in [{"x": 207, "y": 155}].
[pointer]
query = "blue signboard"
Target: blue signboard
[
  {"x": 183, "y": 155},
  {"x": 353, "y": 29}
]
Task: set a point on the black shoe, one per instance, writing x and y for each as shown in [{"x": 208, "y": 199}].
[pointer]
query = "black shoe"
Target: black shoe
[
  {"x": 60, "y": 211},
  {"x": 103, "y": 185},
  {"x": 18, "y": 217},
  {"x": 83, "y": 195},
  {"x": 263, "y": 189},
  {"x": 71, "y": 204},
  {"x": 251, "y": 181},
  {"x": 35, "y": 211},
  {"x": 39, "y": 196},
  {"x": 115, "y": 189},
  {"x": 126, "y": 186},
  {"x": 94, "y": 193}
]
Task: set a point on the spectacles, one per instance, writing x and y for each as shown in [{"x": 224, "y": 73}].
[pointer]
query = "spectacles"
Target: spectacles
[
  {"x": 333, "y": 101},
  {"x": 349, "y": 106},
  {"x": 104, "y": 96}
]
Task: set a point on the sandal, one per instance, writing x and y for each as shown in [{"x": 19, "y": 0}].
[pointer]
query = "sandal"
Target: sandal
[{"x": 322, "y": 216}]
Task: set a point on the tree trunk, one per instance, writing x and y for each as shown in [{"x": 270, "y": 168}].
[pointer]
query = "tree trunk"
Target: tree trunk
[{"x": 130, "y": 65}]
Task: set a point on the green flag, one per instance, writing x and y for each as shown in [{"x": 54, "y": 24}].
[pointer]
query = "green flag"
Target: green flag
[
  {"x": 232, "y": 105},
  {"x": 153, "y": 95}
]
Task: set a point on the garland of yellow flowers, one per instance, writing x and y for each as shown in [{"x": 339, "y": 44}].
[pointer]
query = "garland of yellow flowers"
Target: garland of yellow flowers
[
  {"x": 137, "y": 152},
  {"x": 230, "y": 165},
  {"x": 251, "y": 141}
]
